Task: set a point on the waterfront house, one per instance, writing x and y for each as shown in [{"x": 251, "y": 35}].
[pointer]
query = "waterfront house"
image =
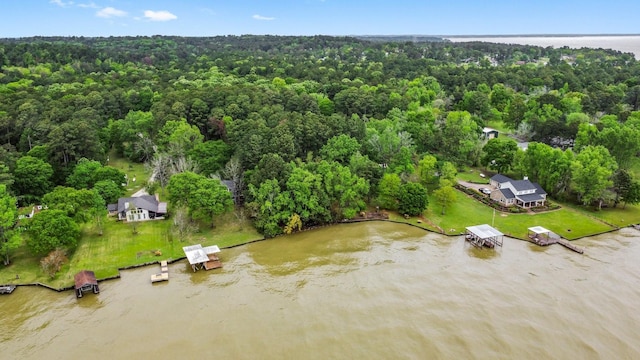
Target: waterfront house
[
  {"x": 140, "y": 208},
  {"x": 522, "y": 193}
]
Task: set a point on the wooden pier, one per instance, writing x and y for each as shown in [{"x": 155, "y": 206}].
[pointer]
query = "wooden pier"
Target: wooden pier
[
  {"x": 543, "y": 237},
  {"x": 163, "y": 275},
  {"x": 7, "y": 289}
]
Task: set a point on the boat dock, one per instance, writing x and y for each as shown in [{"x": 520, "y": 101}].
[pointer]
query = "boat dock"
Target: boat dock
[
  {"x": 543, "y": 237},
  {"x": 163, "y": 275},
  {"x": 484, "y": 236},
  {"x": 203, "y": 257},
  {"x": 7, "y": 289}
]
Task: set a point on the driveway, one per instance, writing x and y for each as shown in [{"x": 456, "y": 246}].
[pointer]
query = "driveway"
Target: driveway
[{"x": 475, "y": 186}]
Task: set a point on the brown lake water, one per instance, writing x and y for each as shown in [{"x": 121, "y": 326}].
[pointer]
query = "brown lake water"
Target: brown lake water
[
  {"x": 628, "y": 44},
  {"x": 354, "y": 291}
]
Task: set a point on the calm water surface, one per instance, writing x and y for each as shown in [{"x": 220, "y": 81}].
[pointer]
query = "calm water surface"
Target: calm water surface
[
  {"x": 371, "y": 290},
  {"x": 628, "y": 44}
]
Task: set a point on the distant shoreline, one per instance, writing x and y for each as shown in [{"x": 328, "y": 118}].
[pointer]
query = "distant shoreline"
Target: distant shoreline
[{"x": 532, "y": 35}]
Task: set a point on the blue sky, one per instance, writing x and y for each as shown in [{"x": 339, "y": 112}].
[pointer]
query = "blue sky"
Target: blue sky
[{"x": 20, "y": 18}]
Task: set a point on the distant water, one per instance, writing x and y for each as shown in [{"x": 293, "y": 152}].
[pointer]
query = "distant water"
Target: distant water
[{"x": 627, "y": 44}]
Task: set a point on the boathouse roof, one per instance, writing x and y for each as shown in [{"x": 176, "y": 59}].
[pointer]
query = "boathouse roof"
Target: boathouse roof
[
  {"x": 85, "y": 277},
  {"x": 213, "y": 249},
  {"x": 195, "y": 254},
  {"x": 538, "y": 230},
  {"x": 484, "y": 231}
]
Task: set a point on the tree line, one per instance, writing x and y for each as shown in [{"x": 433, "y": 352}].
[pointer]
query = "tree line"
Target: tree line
[{"x": 310, "y": 130}]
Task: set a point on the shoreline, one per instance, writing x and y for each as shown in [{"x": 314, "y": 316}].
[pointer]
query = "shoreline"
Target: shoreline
[{"x": 352, "y": 221}]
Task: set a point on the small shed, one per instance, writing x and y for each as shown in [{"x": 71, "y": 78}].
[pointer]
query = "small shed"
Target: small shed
[
  {"x": 85, "y": 281},
  {"x": 484, "y": 235},
  {"x": 489, "y": 133}
]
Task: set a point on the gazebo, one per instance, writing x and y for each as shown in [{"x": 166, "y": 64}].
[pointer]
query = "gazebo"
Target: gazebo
[
  {"x": 484, "y": 235},
  {"x": 85, "y": 280}
]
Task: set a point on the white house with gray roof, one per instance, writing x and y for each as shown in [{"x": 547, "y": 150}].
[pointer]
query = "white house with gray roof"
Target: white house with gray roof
[
  {"x": 140, "y": 208},
  {"x": 521, "y": 193}
]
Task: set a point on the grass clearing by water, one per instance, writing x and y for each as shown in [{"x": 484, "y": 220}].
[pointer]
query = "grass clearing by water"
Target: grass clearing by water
[{"x": 466, "y": 211}]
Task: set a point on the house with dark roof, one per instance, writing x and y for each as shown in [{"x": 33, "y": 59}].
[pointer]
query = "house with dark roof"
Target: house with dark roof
[
  {"x": 521, "y": 193},
  {"x": 139, "y": 208}
]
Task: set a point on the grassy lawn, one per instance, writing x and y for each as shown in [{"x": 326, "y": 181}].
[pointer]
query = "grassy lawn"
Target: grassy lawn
[
  {"x": 137, "y": 170},
  {"x": 615, "y": 216},
  {"x": 119, "y": 248},
  {"x": 566, "y": 222},
  {"x": 473, "y": 175}
]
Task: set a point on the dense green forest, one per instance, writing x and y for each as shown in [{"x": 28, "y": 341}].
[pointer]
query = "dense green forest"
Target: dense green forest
[{"x": 310, "y": 129}]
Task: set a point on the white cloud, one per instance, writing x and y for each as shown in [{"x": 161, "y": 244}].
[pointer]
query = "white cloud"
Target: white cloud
[
  {"x": 260, "y": 17},
  {"x": 90, "y": 5},
  {"x": 109, "y": 12},
  {"x": 61, "y": 3},
  {"x": 161, "y": 15}
]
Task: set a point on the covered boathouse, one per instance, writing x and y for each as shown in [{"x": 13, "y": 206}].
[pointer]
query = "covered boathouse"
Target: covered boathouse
[
  {"x": 86, "y": 281},
  {"x": 202, "y": 257},
  {"x": 484, "y": 236}
]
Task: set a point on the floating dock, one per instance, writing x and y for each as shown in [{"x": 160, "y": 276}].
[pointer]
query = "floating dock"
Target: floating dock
[
  {"x": 7, "y": 289},
  {"x": 543, "y": 237},
  {"x": 163, "y": 275}
]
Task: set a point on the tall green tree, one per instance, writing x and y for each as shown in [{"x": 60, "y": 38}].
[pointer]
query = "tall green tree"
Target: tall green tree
[
  {"x": 445, "y": 195},
  {"x": 591, "y": 171},
  {"x": 340, "y": 148},
  {"x": 389, "y": 190},
  {"x": 413, "y": 199},
  {"x": 9, "y": 240},
  {"x": 346, "y": 191},
  {"x": 81, "y": 205},
  {"x": 52, "y": 229},
  {"x": 211, "y": 198},
  {"x": 32, "y": 178},
  {"x": 459, "y": 136},
  {"x": 499, "y": 153},
  {"x": 270, "y": 207},
  {"x": 427, "y": 169},
  {"x": 82, "y": 176}
]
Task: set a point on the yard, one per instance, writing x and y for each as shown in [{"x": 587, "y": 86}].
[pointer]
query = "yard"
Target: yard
[
  {"x": 119, "y": 248},
  {"x": 566, "y": 222}
]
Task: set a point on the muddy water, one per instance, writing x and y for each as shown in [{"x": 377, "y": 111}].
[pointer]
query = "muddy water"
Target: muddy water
[{"x": 374, "y": 290}]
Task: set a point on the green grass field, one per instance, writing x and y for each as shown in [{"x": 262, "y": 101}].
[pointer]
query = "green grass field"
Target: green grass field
[
  {"x": 466, "y": 211},
  {"x": 473, "y": 175},
  {"x": 137, "y": 170},
  {"x": 120, "y": 248}
]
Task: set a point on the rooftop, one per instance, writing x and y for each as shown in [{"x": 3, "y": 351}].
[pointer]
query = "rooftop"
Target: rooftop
[{"x": 484, "y": 231}]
